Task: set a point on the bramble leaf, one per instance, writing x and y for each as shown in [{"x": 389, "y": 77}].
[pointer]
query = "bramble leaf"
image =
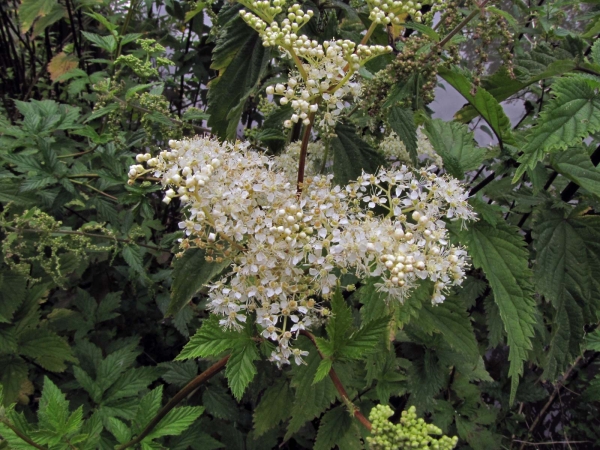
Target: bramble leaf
[{"x": 500, "y": 251}]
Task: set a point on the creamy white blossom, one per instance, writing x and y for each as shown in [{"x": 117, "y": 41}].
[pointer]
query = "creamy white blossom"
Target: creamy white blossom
[
  {"x": 288, "y": 250},
  {"x": 326, "y": 72}
]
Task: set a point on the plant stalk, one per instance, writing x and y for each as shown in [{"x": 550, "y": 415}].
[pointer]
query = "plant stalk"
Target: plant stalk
[
  {"x": 183, "y": 393},
  {"x": 340, "y": 387}
]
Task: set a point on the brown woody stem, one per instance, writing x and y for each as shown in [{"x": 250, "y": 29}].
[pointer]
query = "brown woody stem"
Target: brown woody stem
[{"x": 340, "y": 387}]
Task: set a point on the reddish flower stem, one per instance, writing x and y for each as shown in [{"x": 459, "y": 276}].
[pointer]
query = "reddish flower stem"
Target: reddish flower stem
[
  {"x": 304, "y": 152},
  {"x": 339, "y": 386}
]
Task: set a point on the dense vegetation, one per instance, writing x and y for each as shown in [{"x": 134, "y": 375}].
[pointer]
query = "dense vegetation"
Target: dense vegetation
[{"x": 221, "y": 292}]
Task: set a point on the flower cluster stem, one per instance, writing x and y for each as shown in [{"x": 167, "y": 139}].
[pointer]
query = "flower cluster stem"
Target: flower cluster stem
[
  {"x": 340, "y": 387},
  {"x": 304, "y": 151},
  {"x": 183, "y": 393}
]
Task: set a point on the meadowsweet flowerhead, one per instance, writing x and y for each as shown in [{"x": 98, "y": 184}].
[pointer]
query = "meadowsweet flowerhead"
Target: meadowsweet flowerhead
[{"x": 286, "y": 250}]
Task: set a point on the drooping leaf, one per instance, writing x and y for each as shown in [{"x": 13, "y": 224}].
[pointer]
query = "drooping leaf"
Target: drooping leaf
[
  {"x": 485, "y": 104},
  {"x": 500, "y": 252}
]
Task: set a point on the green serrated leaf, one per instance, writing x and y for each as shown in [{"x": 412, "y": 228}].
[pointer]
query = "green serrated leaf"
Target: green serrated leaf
[
  {"x": 54, "y": 408},
  {"x": 241, "y": 59},
  {"x": 573, "y": 114},
  {"x": 500, "y": 251},
  {"x": 210, "y": 340},
  {"x": 47, "y": 348},
  {"x": 333, "y": 426},
  {"x": 366, "y": 339},
  {"x": 323, "y": 369},
  {"x": 119, "y": 430},
  {"x": 240, "y": 367},
  {"x": 175, "y": 422},
  {"x": 310, "y": 400},
  {"x": 274, "y": 407}
]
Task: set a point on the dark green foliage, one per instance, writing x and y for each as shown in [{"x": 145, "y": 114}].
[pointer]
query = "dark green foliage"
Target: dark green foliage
[{"x": 104, "y": 318}]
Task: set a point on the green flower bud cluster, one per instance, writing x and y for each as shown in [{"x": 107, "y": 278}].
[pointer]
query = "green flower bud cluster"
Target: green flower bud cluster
[
  {"x": 145, "y": 69},
  {"x": 410, "y": 433}
]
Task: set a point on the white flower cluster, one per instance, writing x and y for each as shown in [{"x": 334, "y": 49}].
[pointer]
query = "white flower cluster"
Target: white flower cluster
[
  {"x": 394, "y": 11},
  {"x": 287, "y": 250},
  {"x": 325, "y": 70},
  {"x": 395, "y": 150}
]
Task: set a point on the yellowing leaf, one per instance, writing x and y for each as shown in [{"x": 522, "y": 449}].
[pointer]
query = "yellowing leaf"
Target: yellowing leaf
[
  {"x": 61, "y": 64},
  {"x": 32, "y": 9}
]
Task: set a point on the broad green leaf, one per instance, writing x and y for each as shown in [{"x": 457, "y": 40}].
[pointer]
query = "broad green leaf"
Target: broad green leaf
[
  {"x": 451, "y": 319},
  {"x": 310, "y": 400},
  {"x": 148, "y": 406},
  {"x": 241, "y": 59},
  {"x": 339, "y": 324},
  {"x": 210, "y": 340},
  {"x": 365, "y": 340},
  {"x": 29, "y": 10},
  {"x": 333, "y": 426},
  {"x": 274, "y": 407},
  {"x": 564, "y": 274},
  {"x": 190, "y": 273},
  {"x": 54, "y": 408},
  {"x": 485, "y": 104},
  {"x": 175, "y": 422},
  {"x": 575, "y": 164},
  {"x": 44, "y": 21},
  {"x": 592, "y": 341},
  {"x": 572, "y": 115},
  {"x": 455, "y": 143},
  {"x": 402, "y": 122},
  {"x": 132, "y": 254},
  {"x": 219, "y": 403},
  {"x": 119, "y": 430},
  {"x": 47, "y": 348},
  {"x": 240, "y": 367},
  {"x": 500, "y": 251},
  {"x": 351, "y": 155}
]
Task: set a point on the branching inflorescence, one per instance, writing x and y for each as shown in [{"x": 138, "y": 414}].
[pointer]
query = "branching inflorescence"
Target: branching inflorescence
[
  {"x": 325, "y": 71},
  {"x": 287, "y": 251}
]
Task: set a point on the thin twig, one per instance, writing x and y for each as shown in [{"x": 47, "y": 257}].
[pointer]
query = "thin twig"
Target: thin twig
[
  {"x": 182, "y": 394},
  {"x": 339, "y": 386},
  {"x": 557, "y": 388}
]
